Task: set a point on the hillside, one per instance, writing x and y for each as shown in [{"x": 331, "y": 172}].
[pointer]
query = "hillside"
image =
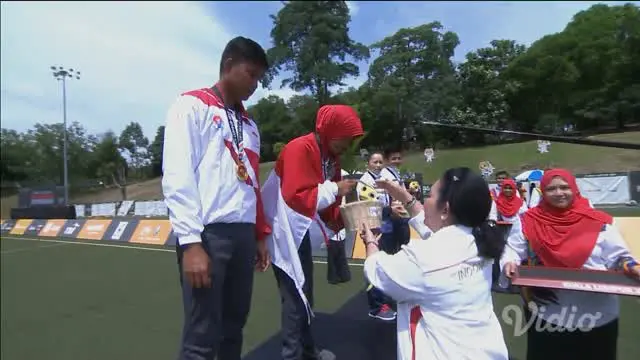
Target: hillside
[{"x": 511, "y": 157}]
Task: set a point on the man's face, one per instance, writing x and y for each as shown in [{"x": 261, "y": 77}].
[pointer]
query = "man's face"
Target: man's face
[
  {"x": 338, "y": 146},
  {"x": 395, "y": 159},
  {"x": 501, "y": 177},
  {"x": 244, "y": 77}
]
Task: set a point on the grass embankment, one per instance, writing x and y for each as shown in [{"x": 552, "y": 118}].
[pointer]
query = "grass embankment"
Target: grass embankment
[{"x": 514, "y": 158}]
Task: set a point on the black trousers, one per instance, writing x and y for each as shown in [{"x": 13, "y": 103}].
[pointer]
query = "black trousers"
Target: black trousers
[
  {"x": 297, "y": 341},
  {"x": 599, "y": 343},
  {"x": 214, "y": 317},
  {"x": 390, "y": 243}
]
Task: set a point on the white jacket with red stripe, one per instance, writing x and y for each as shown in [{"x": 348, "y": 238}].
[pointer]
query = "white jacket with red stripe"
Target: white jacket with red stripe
[
  {"x": 443, "y": 290},
  {"x": 199, "y": 180}
]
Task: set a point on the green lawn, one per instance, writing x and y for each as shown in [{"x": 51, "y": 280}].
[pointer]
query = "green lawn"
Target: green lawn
[{"x": 63, "y": 300}]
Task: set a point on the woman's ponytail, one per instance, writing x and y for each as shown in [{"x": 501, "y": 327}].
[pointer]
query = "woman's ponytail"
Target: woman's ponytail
[{"x": 490, "y": 240}]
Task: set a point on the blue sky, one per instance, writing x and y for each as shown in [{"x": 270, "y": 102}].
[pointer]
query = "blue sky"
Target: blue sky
[{"x": 135, "y": 58}]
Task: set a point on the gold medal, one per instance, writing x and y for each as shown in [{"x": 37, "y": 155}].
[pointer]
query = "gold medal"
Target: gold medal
[{"x": 241, "y": 172}]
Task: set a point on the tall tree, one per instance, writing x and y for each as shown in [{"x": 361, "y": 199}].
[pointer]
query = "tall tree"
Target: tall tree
[
  {"x": 411, "y": 79},
  {"x": 311, "y": 40},
  {"x": 484, "y": 90},
  {"x": 107, "y": 162},
  {"x": 585, "y": 75},
  {"x": 135, "y": 145}
]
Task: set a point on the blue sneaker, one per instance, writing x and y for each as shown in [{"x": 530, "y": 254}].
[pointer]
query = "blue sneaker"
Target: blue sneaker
[{"x": 385, "y": 313}]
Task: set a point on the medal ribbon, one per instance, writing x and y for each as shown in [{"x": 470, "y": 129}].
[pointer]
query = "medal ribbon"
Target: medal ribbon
[
  {"x": 327, "y": 164},
  {"x": 236, "y": 134}
]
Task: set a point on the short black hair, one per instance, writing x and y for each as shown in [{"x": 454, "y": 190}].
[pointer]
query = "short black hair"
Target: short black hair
[
  {"x": 374, "y": 152},
  {"x": 242, "y": 49},
  {"x": 392, "y": 150},
  {"x": 470, "y": 203},
  {"x": 502, "y": 172}
]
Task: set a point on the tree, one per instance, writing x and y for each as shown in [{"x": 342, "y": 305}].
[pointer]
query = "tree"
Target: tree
[
  {"x": 276, "y": 124},
  {"x": 484, "y": 90},
  {"x": 411, "y": 80},
  {"x": 311, "y": 40},
  {"x": 108, "y": 164},
  {"x": 585, "y": 75},
  {"x": 135, "y": 146},
  {"x": 155, "y": 152}
]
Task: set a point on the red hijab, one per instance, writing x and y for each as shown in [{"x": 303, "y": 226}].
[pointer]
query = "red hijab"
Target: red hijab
[
  {"x": 508, "y": 206},
  {"x": 563, "y": 237},
  {"x": 336, "y": 122}
]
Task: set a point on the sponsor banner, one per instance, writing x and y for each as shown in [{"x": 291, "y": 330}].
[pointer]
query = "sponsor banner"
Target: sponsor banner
[
  {"x": 154, "y": 232},
  {"x": 42, "y": 198},
  {"x": 120, "y": 230},
  {"x": 72, "y": 228},
  {"x": 52, "y": 228},
  {"x": 611, "y": 174},
  {"x": 7, "y": 226},
  {"x": 34, "y": 228},
  {"x": 80, "y": 210},
  {"x": 150, "y": 208},
  {"x": 605, "y": 189},
  {"x": 93, "y": 229},
  {"x": 125, "y": 207},
  {"x": 20, "y": 227},
  {"x": 104, "y": 209}
]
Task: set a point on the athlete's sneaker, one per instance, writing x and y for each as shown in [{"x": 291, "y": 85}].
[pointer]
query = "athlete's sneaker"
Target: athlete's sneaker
[
  {"x": 385, "y": 313},
  {"x": 318, "y": 354}
]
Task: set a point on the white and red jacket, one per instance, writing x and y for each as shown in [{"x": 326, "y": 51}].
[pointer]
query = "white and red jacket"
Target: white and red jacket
[
  {"x": 199, "y": 183},
  {"x": 294, "y": 198},
  {"x": 443, "y": 293},
  {"x": 302, "y": 190}
]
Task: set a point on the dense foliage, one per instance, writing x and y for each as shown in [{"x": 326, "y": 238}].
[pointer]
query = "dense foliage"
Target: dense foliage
[{"x": 583, "y": 78}]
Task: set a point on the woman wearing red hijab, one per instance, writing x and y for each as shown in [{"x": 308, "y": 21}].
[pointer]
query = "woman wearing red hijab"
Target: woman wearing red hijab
[
  {"x": 564, "y": 231},
  {"x": 509, "y": 205},
  {"x": 305, "y": 188}
]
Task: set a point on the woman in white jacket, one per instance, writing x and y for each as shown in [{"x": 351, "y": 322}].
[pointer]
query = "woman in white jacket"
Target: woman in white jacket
[{"x": 443, "y": 284}]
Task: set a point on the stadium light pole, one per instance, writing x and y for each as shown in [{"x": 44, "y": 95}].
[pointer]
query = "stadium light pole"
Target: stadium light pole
[{"x": 61, "y": 74}]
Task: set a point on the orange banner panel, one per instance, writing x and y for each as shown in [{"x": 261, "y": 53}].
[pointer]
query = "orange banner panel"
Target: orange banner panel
[
  {"x": 21, "y": 227},
  {"x": 52, "y": 228},
  {"x": 154, "y": 232},
  {"x": 93, "y": 229}
]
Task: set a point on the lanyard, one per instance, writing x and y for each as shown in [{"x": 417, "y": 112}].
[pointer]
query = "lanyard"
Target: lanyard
[
  {"x": 394, "y": 173},
  {"x": 374, "y": 175},
  {"x": 236, "y": 134},
  {"x": 327, "y": 164}
]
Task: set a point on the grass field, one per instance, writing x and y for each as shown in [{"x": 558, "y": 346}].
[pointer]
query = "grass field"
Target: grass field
[
  {"x": 512, "y": 157},
  {"x": 66, "y": 300}
]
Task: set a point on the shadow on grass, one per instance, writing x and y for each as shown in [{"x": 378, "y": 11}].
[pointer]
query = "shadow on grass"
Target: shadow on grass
[{"x": 349, "y": 333}]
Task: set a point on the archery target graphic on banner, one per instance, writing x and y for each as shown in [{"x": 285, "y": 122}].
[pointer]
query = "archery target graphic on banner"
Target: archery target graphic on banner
[
  {"x": 429, "y": 154},
  {"x": 543, "y": 146},
  {"x": 486, "y": 169}
]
